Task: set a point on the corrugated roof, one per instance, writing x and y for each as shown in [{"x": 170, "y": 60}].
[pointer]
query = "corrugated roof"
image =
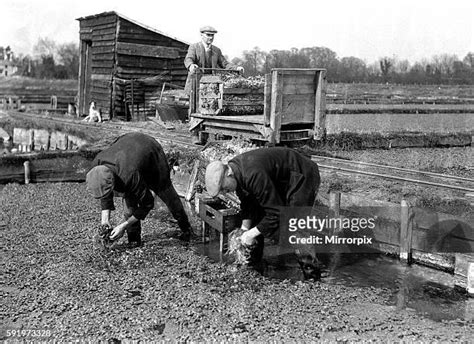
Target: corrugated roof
[{"x": 103, "y": 14}]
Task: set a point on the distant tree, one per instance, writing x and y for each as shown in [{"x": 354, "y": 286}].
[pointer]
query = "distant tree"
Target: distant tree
[
  {"x": 444, "y": 66},
  {"x": 46, "y": 67},
  {"x": 322, "y": 57},
  {"x": 373, "y": 72},
  {"x": 469, "y": 60},
  {"x": 386, "y": 64},
  {"x": 279, "y": 58},
  {"x": 416, "y": 74},
  {"x": 298, "y": 60},
  {"x": 44, "y": 47},
  {"x": 352, "y": 69},
  {"x": 253, "y": 61},
  {"x": 68, "y": 56}
]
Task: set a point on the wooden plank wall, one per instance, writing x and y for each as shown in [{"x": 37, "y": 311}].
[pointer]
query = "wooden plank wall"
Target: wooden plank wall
[
  {"x": 150, "y": 59},
  {"x": 101, "y": 31},
  {"x": 123, "y": 50}
]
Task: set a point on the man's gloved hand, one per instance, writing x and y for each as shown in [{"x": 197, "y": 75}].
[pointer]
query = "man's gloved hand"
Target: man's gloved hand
[
  {"x": 248, "y": 237},
  {"x": 193, "y": 68},
  {"x": 118, "y": 231}
]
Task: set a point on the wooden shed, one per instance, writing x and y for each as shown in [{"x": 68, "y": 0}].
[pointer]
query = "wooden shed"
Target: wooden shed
[{"x": 123, "y": 65}]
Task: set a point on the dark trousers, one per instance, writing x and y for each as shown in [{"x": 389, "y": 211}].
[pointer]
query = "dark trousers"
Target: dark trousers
[
  {"x": 134, "y": 232},
  {"x": 170, "y": 197}
]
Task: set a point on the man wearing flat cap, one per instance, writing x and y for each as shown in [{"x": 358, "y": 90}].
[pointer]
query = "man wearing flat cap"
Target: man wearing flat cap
[
  {"x": 265, "y": 180},
  {"x": 134, "y": 166},
  {"x": 205, "y": 55}
]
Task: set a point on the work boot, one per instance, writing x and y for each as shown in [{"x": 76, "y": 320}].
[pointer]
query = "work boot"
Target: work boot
[
  {"x": 185, "y": 236},
  {"x": 134, "y": 244},
  {"x": 134, "y": 238}
]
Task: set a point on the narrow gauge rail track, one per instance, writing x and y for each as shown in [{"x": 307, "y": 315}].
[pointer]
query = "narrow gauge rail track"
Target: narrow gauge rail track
[
  {"x": 163, "y": 136},
  {"x": 395, "y": 173}
]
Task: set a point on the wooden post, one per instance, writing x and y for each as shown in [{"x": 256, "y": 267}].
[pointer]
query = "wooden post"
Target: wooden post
[
  {"x": 320, "y": 105},
  {"x": 54, "y": 102},
  {"x": 133, "y": 104},
  {"x": 335, "y": 203},
  {"x": 192, "y": 182},
  {"x": 221, "y": 244},
  {"x": 26, "y": 164},
  {"x": 470, "y": 279},
  {"x": 464, "y": 272},
  {"x": 205, "y": 230},
  {"x": 406, "y": 230},
  {"x": 267, "y": 99},
  {"x": 276, "y": 107}
]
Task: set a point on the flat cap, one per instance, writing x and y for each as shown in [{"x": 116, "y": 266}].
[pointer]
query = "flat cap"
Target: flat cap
[
  {"x": 100, "y": 181},
  {"x": 208, "y": 29},
  {"x": 214, "y": 176}
]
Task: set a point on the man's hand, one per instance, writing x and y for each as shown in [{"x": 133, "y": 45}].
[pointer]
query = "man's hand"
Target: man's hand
[
  {"x": 118, "y": 231},
  {"x": 193, "y": 68},
  {"x": 248, "y": 237}
]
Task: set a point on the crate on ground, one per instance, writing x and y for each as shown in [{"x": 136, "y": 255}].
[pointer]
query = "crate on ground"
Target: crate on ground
[{"x": 216, "y": 215}]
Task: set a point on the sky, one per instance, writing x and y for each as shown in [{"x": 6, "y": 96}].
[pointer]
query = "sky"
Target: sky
[{"x": 367, "y": 29}]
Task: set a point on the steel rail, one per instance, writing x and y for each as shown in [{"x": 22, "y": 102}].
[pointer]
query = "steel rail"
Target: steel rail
[
  {"x": 386, "y": 176},
  {"x": 440, "y": 175}
]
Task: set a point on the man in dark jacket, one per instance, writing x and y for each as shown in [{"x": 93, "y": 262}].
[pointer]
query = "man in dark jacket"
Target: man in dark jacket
[
  {"x": 134, "y": 166},
  {"x": 265, "y": 180},
  {"x": 205, "y": 55}
]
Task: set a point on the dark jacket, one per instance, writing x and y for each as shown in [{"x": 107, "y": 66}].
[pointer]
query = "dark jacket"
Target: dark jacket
[
  {"x": 270, "y": 178},
  {"x": 197, "y": 55},
  {"x": 139, "y": 165}
]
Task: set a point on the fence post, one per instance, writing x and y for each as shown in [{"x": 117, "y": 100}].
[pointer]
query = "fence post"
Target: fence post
[
  {"x": 26, "y": 164},
  {"x": 54, "y": 102},
  {"x": 406, "y": 231},
  {"x": 335, "y": 203}
]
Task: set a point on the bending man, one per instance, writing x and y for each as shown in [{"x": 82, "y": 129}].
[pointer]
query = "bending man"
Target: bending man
[
  {"x": 134, "y": 166},
  {"x": 265, "y": 180}
]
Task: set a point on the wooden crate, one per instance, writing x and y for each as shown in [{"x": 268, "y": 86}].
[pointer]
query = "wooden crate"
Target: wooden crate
[
  {"x": 216, "y": 99},
  {"x": 216, "y": 215},
  {"x": 293, "y": 107}
]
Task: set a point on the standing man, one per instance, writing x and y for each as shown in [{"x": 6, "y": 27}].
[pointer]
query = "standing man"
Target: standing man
[
  {"x": 134, "y": 166},
  {"x": 205, "y": 55},
  {"x": 265, "y": 180}
]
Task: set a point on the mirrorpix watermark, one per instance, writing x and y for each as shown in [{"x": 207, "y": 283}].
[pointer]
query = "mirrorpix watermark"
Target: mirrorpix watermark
[{"x": 333, "y": 230}]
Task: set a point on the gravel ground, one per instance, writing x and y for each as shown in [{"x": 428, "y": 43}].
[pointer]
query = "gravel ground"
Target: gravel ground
[{"x": 56, "y": 278}]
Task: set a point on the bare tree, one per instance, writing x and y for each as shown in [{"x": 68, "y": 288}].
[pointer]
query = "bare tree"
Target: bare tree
[
  {"x": 469, "y": 60},
  {"x": 44, "y": 47},
  {"x": 386, "y": 64}
]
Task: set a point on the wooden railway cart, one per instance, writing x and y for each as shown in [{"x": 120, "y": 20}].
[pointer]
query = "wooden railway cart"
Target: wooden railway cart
[{"x": 290, "y": 107}]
